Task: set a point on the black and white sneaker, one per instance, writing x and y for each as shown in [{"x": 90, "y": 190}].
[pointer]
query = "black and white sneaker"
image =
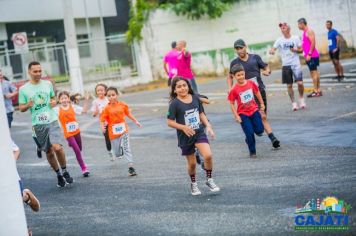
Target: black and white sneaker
[
  {"x": 212, "y": 186},
  {"x": 132, "y": 171},
  {"x": 66, "y": 176},
  {"x": 275, "y": 143},
  {"x": 195, "y": 191},
  {"x": 61, "y": 181}
]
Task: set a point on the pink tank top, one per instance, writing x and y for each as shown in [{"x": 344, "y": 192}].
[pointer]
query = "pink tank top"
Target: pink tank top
[{"x": 306, "y": 46}]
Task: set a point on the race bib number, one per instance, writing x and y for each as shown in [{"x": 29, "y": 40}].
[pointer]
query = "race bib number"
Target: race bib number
[
  {"x": 254, "y": 79},
  {"x": 72, "y": 126},
  {"x": 192, "y": 118},
  {"x": 118, "y": 129},
  {"x": 330, "y": 42},
  {"x": 42, "y": 118},
  {"x": 246, "y": 96}
]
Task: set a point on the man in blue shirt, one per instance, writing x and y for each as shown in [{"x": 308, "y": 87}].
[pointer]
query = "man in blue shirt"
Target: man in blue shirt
[
  {"x": 334, "y": 49},
  {"x": 9, "y": 91}
]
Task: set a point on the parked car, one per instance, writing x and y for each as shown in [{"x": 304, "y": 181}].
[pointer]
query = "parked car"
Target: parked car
[{"x": 18, "y": 84}]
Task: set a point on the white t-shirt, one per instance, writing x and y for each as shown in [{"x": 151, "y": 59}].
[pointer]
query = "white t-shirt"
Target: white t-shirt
[
  {"x": 77, "y": 109},
  {"x": 99, "y": 104},
  {"x": 284, "y": 45}
]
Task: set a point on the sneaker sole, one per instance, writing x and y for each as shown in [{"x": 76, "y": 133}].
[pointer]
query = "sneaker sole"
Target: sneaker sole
[
  {"x": 61, "y": 186},
  {"x": 196, "y": 194},
  {"x": 132, "y": 174}
]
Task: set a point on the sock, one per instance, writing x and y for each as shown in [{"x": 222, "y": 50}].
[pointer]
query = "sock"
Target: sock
[
  {"x": 208, "y": 173},
  {"x": 192, "y": 178},
  {"x": 64, "y": 169},
  {"x": 58, "y": 172},
  {"x": 271, "y": 136}
]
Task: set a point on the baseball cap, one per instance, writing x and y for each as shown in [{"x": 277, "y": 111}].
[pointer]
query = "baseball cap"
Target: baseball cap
[
  {"x": 239, "y": 43},
  {"x": 302, "y": 20}
]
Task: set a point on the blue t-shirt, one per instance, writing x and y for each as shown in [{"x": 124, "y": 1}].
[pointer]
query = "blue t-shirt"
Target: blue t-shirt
[{"x": 332, "y": 42}]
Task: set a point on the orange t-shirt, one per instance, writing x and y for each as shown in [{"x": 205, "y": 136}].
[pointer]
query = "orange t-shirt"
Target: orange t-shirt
[
  {"x": 114, "y": 114},
  {"x": 68, "y": 121}
]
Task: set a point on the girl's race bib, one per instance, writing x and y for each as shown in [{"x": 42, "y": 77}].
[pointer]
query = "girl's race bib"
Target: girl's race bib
[
  {"x": 118, "y": 129},
  {"x": 72, "y": 126}
]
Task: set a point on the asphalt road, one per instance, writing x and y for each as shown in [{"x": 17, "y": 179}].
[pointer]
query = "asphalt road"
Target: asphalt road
[{"x": 258, "y": 196}]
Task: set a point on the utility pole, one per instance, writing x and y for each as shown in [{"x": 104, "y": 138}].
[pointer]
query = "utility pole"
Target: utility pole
[{"x": 75, "y": 71}]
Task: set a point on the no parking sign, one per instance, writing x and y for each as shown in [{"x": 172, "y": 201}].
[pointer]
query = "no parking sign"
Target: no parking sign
[{"x": 20, "y": 42}]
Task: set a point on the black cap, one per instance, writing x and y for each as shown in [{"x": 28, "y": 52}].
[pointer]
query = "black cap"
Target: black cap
[
  {"x": 174, "y": 44},
  {"x": 239, "y": 43},
  {"x": 302, "y": 20}
]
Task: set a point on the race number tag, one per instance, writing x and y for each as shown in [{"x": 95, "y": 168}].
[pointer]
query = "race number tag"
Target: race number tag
[
  {"x": 330, "y": 42},
  {"x": 254, "y": 79},
  {"x": 192, "y": 118},
  {"x": 42, "y": 118},
  {"x": 246, "y": 96},
  {"x": 72, "y": 126},
  {"x": 118, "y": 129}
]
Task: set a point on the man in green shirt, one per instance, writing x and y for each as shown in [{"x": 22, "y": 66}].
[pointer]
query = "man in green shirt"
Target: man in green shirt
[{"x": 38, "y": 96}]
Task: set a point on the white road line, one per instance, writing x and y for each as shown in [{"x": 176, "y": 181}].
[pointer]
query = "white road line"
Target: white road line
[{"x": 343, "y": 116}]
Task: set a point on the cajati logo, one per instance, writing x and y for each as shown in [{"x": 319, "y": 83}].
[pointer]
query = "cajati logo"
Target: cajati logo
[{"x": 327, "y": 214}]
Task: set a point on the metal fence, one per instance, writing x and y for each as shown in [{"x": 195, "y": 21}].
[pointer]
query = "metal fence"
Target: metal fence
[{"x": 101, "y": 59}]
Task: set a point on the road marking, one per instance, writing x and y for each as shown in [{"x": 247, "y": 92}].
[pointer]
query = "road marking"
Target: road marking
[{"x": 343, "y": 116}]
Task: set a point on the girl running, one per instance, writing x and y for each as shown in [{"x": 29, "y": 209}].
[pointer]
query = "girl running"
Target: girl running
[
  {"x": 97, "y": 107},
  {"x": 113, "y": 121},
  {"x": 186, "y": 115},
  {"x": 67, "y": 118}
]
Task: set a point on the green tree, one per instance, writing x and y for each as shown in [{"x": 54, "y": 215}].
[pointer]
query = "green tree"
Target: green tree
[{"x": 192, "y": 9}]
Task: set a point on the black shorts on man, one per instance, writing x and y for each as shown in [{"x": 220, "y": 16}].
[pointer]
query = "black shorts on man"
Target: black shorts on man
[
  {"x": 334, "y": 55},
  {"x": 313, "y": 63}
]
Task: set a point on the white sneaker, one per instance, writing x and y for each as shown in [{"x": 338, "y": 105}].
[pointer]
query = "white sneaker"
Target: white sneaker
[
  {"x": 212, "y": 186},
  {"x": 295, "y": 106},
  {"x": 194, "y": 189},
  {"x": 302, "y": 103}
]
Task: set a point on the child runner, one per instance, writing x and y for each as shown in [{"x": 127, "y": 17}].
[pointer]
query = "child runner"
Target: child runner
[
  {"x": 97, "y": 107},
  {"x": 66, "y": 116},
  {"x": 247, "y": 109},
  {"x": 186, "y": 115},
  {"x": 113, "y": 121}
]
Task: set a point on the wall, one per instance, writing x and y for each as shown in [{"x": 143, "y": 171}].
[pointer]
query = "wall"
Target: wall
[
  {"x": 256, "y": 21},
  {"x": 17, "y": 10}
]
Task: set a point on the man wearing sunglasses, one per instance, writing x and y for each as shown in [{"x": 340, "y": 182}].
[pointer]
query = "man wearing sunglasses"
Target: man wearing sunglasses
[{"x": 253, "y": 66}]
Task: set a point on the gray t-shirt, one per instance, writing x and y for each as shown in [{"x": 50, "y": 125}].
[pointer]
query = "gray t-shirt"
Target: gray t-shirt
[
  {"x": 284, "y": 45},
  {"x": 8, "y": 87},
  {"x": 186, "y": 114},
  {"x": 252, "y": 67}
]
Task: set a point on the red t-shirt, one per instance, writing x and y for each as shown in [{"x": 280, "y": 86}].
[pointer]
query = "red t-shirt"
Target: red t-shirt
[{"x": 244, "y": 94}]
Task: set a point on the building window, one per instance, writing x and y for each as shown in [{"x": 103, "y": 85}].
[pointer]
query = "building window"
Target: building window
[{"x": 83, "y": 45}]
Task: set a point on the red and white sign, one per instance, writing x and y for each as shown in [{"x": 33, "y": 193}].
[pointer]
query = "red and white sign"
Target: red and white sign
[{"x": 20, "y": 42}]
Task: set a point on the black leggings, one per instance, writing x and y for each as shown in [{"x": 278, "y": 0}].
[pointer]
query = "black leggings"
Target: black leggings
[{"x": 107, "y": 140}]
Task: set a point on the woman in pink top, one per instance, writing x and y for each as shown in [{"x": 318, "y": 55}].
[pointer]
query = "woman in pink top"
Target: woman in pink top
[{"x": 311, "y": 56}]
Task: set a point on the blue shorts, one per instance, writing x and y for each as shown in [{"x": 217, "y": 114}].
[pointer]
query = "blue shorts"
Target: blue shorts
[
  {"x": 189, "y": 149},
  {"x": 313, "y": 63}
]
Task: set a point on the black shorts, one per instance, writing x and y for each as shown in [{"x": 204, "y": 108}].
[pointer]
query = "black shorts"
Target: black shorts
[
  {"x": 334, "y": 55},
  {"x": 264, "y": 98},
  {"x": 313, "y": 63},
  {"x": 291, "y": 73}
]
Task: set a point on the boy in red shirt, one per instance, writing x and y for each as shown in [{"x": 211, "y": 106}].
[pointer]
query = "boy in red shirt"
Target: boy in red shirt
[{"x": 247, "y": 113}]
